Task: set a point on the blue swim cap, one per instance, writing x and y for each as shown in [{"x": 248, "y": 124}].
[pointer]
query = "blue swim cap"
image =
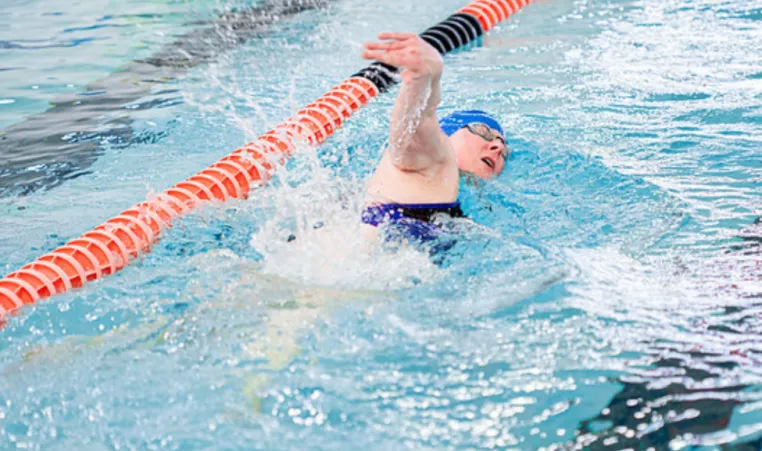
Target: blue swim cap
[{"x": 459, "y": 119}]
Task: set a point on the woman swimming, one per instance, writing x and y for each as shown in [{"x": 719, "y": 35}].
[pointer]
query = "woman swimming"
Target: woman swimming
[{"x": 418, "y": 178}]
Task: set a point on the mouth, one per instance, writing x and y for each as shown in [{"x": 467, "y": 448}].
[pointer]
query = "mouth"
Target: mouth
[{"x": 489, "y": 162}]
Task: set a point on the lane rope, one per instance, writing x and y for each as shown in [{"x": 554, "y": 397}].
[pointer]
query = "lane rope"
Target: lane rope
[{"x": 112, "y": 245}]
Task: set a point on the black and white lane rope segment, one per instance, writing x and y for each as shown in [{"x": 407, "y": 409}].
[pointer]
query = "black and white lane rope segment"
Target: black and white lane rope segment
[{"x": 446, "y": 36}]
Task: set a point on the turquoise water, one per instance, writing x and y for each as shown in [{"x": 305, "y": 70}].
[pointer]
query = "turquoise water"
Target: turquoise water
[{"x": 608, "y": 301}]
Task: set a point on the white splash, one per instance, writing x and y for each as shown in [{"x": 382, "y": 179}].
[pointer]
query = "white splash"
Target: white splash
[{"x": 315, "y": 234}]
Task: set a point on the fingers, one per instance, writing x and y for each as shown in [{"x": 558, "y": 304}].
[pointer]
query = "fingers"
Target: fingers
[
  {"x": 390, "y": 58},
  {"x": 396, "y": 59},
  {"x": 394, "y": 52},
  {"x": 394, "y": 45},
  {"x": 393, "y": 41},
  {"x": 404, "y": 50}
]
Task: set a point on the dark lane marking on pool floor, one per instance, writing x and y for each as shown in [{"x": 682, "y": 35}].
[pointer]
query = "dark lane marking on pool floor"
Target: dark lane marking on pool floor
[{"x": 62, "y": 142}]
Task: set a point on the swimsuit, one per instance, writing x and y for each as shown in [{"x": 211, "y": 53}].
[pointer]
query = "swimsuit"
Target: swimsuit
[{"x": 415, "y": 222}]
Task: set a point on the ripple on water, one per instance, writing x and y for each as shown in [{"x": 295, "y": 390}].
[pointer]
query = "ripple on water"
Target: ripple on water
[{"x": 609, "y": 298}]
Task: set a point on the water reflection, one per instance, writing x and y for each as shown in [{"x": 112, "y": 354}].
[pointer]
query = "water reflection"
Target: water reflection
[{"x": 690, "y": 392}]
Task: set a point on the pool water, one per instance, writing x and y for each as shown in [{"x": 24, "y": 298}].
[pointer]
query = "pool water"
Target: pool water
[{"x": 609, "y": 298}]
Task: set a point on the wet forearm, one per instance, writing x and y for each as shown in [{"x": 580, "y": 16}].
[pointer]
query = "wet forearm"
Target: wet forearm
[
  {"x": 413, "y": 116},
  {"x": 414, "y": 135}
]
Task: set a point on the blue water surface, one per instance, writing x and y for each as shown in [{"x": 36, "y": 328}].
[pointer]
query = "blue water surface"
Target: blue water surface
[{"x": 608, "y": 299}]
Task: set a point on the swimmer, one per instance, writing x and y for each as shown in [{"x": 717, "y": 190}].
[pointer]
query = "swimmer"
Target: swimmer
[{"x": 418, "y": 178}]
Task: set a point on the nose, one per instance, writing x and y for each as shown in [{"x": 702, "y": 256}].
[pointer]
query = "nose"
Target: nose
[{"x": 496, "y": 147}]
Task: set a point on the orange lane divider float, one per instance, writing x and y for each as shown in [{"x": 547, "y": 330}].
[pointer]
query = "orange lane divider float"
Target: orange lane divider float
[{"x": 112, "y": 245}]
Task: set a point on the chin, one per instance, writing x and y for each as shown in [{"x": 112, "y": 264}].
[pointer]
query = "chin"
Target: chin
[
  {"x": 483, "y": 173},
  {"x": 478, "y": 174}
]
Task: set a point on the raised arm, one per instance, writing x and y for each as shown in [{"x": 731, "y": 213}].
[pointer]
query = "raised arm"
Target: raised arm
[{"x": 416, "y": 143}]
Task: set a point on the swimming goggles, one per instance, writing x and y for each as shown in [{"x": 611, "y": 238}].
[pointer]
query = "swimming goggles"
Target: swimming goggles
[{"x": 486, "y": 133}]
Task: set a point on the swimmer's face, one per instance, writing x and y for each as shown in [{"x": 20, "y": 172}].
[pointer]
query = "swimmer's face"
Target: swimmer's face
[{"x": 476, "y": 154}]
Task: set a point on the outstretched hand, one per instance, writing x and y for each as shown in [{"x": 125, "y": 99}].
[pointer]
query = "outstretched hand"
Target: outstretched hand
[{"x": 417, "y": 58}]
